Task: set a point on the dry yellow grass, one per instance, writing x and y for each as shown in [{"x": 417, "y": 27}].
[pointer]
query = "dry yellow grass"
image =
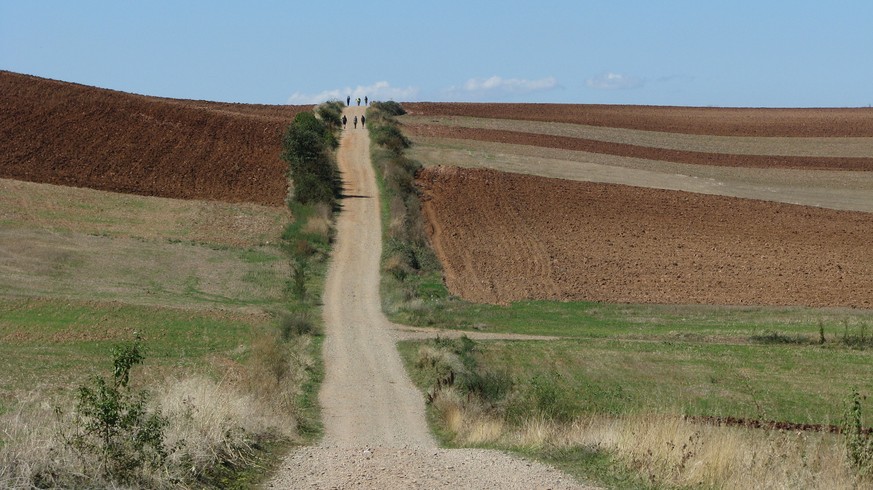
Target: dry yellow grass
[
  {"x": 668, "y": 450},
  {"x": 320, "y": 222}
]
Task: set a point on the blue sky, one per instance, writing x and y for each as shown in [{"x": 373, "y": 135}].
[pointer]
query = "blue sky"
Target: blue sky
[{"x": 774, "y": 53}]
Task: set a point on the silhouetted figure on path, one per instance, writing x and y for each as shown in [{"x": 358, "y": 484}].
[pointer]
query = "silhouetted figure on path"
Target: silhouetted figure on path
[
  {"x": 365, "y": 100},
  {"x": 356, "y": 121},
  {"x": 363, "y": 120},
  {"x": 359, "y": 101},
  {"x": 348, "y": 100},
  {"x": 345, "y": 120}
]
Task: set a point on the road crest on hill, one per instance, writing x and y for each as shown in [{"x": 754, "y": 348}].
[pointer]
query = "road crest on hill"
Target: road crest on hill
[{"x": 376, "y": 435}]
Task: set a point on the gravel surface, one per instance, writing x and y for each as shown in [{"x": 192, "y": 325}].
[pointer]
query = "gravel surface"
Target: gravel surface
[
  {"x": 326, "y": 467},
  {"x": 376, "y": 435}
]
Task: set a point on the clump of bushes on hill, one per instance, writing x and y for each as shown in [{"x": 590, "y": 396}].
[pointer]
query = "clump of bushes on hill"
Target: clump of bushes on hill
[
  {"x": 389, "y": 107},
  {"x": 307, "y": 146},
  {"x": 331, "y": 114},
  {"x": 411, "y": 270}
]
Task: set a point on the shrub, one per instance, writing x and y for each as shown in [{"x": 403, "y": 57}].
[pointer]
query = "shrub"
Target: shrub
[
  {"x": 859, "y": 441},
  {"x": 331, "y": 113},
  {"x": 306, "y": 147},
  {"x": 298, "y": 280},
  {"x": 390, "y": 107},
  {"x": 390, "y": 137},
  {"x": 296, "y": 324},
  {"x": 113, "y": 422},
  {"x": 489, "y": 386}
]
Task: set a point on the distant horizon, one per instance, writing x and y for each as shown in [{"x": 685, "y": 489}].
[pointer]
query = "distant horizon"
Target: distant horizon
[
  {"x": 342, "y": 99},
  {"x": 676, "y": 53}
]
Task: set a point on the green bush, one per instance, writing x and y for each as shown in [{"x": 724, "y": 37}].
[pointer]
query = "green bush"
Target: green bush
[
  {"x": 331, "y": 113},
  {"x": 389, "y": 107},
  {"x": 296, "y": 324},
  {"x": 390, "y": 137},
  {"x": 549, "y": 399},
  {"x": 489, "y": 386},
  {"x": 306, "y": 146},
  {"x": 859, "y": 441},
  {"x": 114, "y": 423}
]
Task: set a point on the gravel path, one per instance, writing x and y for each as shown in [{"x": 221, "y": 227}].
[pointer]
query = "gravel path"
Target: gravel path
[{"x": 376, "y": 435}]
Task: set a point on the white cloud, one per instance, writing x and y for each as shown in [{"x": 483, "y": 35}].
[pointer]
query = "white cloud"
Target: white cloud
[
  {"x": 377, "y": 91},
  {"x": 498, "y": 86},
  {"x": 511, "y": 85},
  {"x": 614, "y": 81}
]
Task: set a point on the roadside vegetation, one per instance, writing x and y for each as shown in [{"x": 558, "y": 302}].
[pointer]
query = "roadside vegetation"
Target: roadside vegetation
[
  {"x": 630, "y": 395},
  {"x": 199, "y": 373},
  {"x": 410, "y": 270}
]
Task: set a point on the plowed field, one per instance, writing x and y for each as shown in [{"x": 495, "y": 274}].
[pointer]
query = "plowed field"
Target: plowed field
[
  {"x": 649, "y": 153},
  {"x": 690, "y": 120},
  {"x": 67, "y": 134},
  {"x": 504, "y": 237}
]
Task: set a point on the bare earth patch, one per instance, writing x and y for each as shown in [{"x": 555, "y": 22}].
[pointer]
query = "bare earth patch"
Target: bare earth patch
[{"x": 505, "y": 237}]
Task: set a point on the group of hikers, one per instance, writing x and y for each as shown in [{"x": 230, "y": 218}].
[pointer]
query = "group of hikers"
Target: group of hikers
[
  {"x": 358, "y": 100},
  {"x": 354, "y": 121}
]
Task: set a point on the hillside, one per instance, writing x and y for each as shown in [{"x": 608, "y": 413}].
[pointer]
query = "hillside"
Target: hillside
[
  {"x": 670, "y": 205},
  {"x": 74, "y": 135}
]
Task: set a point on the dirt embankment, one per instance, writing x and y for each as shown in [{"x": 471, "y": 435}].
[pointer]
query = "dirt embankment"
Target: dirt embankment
[
  {"x": 823, "y": 122},
  {"x": 505, "y": 237},
  {"x": 68, "y": 134},
  {"x": 648, "y": 153}
]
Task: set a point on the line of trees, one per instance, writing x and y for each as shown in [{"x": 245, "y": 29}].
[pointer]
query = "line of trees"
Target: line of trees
[{"x": 308, "y": 146}]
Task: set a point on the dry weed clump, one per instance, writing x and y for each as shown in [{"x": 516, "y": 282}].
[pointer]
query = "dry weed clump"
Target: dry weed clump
[
  {"x": 277, "y": 370},
  {"x": 213, "y": 423},
  {"x": 470, "y": 421},
  {"x": 32, "y": 453},
  {"x": 320, "y": 222}
]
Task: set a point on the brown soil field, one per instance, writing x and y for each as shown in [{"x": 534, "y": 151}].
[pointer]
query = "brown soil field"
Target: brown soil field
[
  {"x": 858, "y": 147},
  {"x": 74, "y": 135},
  {"x": 504, "y": 237},
  {"x": 635, "y": 151},
  {"x": 813, "y": 122}
]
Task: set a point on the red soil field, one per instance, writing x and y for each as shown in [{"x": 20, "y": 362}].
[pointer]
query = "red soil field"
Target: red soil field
[
  {"x": 505, "y": 237},
  {"x": 68, "y": 134},
  {"x": 634, "y": 151},
  {"x": 825, "y": 122}
]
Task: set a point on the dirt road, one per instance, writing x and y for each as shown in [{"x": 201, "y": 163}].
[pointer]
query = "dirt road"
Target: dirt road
[{"x": 376, "y": 435}]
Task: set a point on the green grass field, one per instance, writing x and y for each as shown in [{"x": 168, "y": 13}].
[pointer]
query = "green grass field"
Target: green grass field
[
  {"x": 762, "y": 363},
  {"x": 52, "y": 344},
  {"x": 84, "y": 270}
]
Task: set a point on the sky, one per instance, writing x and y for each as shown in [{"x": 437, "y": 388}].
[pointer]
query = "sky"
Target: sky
[{"x": 738, "y": 53}]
